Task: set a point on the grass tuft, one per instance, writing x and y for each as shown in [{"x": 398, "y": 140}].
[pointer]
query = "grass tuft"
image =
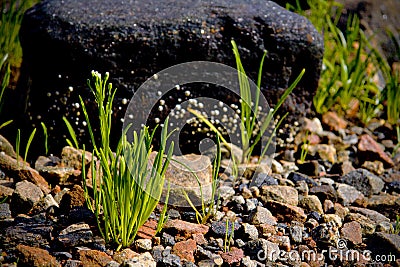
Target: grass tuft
[{"x": 129, "y": 182}]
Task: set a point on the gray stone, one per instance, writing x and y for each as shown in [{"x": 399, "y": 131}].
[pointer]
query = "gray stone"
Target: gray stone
[
  {"x": 113, "y": 264},
  {"x": 134, "y": 40},
  {"x": 181, "y": 178},
  {"x": 371, "y": 214},
  {"x": 226, "y": 192},
  {"x": 219, "y": 229},
  {"x": 171, "y": 260},
  {"x": 5, "y": 212},
  {"x": 364, "y": 181},
  {"x": 262, "y": 215},
  {"x": 296, "y": 233},
  {"x": 295, "y": 176},
  {"x": 143, "y": 260},
  {"x": 72, "y": 157},
  {"x": 311, "y": 203},
  {"x": 239, "y": 200},
  {"x": 76, "y": 235},
  {"x": 248, "y": 262},
  {"x": 326, "y": 234},
  {"x": 25, "y": 196},
  {"x": 348, "y": 194},
  {"x": 280, "y": 193},
  {"x": 250, "y": 231},
  {"x": 263, "y": 179},
  {"x": 167, "y": 239},
  {"x": 250, "y": 205},
  {"x": 143, "y": 244},
  {"x": 73, "y": 263},
  {"x": 44, "y": 204},
  {"x": 52, "y": 170},
  {"x": 29, "y": 232}
]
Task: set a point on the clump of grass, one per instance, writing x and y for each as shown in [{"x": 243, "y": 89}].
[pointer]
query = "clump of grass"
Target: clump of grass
[
  {"x": 391, "y": 91},
  {"x": 73, "y": 142},
  {"x": 126, "y": 189},
  {"x": 207, "y": 209},
  {"x": 348, "y": 72},
  {"x": 396, "y": 229},
  {"x": 28, "y": 144},
  {"x": 304, "y": 148},
  {"x": 349, "y": 65},
  {"x": 10, "y": 49},
  {"x": 253, "y": 125},
  {"x": 228, "y": 236}
]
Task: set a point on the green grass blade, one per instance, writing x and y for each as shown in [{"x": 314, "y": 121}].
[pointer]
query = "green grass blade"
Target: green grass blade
[{"x": 28, "y": 144}]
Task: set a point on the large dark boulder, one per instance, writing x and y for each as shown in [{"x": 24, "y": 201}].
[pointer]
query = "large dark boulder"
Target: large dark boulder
[{"x": 63, "y": 40}]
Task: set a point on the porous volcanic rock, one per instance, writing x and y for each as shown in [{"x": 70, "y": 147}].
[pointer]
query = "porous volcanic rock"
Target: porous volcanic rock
[{"x": 63, "y": 40}]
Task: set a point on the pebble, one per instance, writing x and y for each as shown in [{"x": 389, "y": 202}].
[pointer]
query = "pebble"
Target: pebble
[
  {"x": 262, "y": 216},
  {"x": 226, "y": 192},
  {"x": 296, "y": 233},
  {"x": 143, "y": 244},
  {"x": 232, "y": 257},
  {"x": 370, "y": 214},
  {"x": 280, "y": 193},
  {"x": 333, "y": 121},
  {"x": 5, "y": 212},
  {"x": 302, "y": 188},
  {"x": 351, "y": 231},
  {"x": 374, "y": 166},
  {"x": 185, "y": 249},
  {"x": 348, "y": 194},
  {"x": 326, "y": 234},
  {"x": 311, "y": 203},
  {"x": 263, "y": 179},
  {"x": 246, "y": 193},
  {"x": 285, "y": 212},
  {"x": 25, "y": 196},
  {"x": 370, "y": 150},
  {"x": 248, "y": 262},
  {"x": 167, "y": 239},
  {"x": 383, "y": 244},
  {"x": 185, "y": 228},
  {"x": 364, "y": 181},
  {"x": 31, "y": 256},
  {"x": 142, "y": 260},
  {"x": 75, "y": 235},
  {"x": 219, "y": 229},
  {"x": 123, "y": 255},
  {"x": 250, "y": 231},
  {"x": 296, "y": 176},
  {"x": 172, "y": 260}
]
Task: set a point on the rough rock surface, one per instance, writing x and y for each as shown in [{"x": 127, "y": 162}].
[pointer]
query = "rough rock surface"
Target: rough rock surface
[{"x": 64, "y": 40}]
